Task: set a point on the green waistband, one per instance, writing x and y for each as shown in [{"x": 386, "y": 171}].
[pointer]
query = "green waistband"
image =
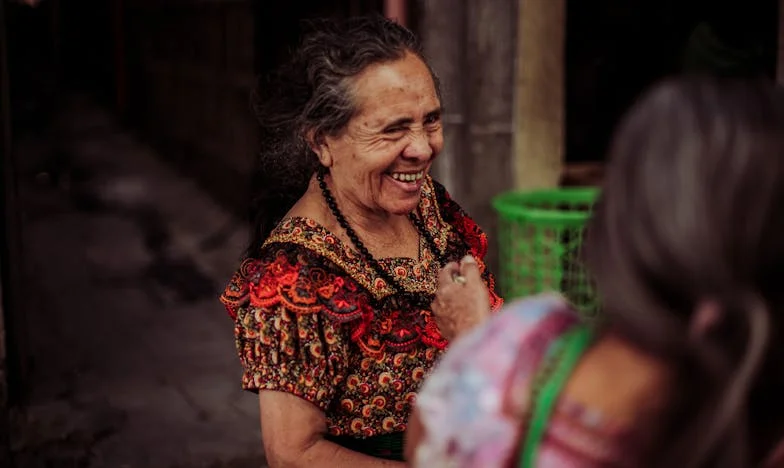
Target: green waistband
[{"x": 386, "y": 446}]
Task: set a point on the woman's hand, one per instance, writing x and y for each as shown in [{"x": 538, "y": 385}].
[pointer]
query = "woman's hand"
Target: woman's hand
[{"x": 462, "y": 300}]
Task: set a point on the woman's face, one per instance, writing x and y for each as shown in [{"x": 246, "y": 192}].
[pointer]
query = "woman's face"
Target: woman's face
[{"x": 378, "y": 162}]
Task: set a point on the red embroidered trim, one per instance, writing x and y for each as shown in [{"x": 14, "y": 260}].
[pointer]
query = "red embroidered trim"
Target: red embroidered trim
[{"x": 304, "y": 283}]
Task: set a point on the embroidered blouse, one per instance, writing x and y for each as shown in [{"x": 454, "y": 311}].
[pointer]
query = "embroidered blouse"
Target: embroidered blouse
[
  {"x": 473, "y": 406},
  {"x": 313, "y": 319}
]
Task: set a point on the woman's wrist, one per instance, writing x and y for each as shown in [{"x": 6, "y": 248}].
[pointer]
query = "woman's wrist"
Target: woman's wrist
[{"x": 466, "y": 324}]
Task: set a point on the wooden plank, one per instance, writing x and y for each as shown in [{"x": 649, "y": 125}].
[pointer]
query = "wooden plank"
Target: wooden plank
[{"x": 443, "y": 32}]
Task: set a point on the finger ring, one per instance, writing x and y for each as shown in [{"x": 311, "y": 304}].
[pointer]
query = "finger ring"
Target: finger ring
[{"x": 458, "y": 279}]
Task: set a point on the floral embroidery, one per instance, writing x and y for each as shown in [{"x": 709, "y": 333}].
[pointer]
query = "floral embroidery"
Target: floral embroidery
[
  {"x": 302, "y": 282},
  {"x": 312, "y": 319}
]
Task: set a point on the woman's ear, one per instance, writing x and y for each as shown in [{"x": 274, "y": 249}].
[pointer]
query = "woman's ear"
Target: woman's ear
[
  {"x": 706, "y": 316},
  {"x": 318, "y": 144}
]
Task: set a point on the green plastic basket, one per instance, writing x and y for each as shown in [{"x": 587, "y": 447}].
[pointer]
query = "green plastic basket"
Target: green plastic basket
[{"x": 540, "y": 236}]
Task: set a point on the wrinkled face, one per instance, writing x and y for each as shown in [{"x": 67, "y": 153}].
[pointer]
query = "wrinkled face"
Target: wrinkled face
[{"x": 378, "y": 162}]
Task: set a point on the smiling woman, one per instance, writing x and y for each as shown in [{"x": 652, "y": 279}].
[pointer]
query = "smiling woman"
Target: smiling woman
[
  {"x": 379, "y": 161},
  {"x": 332, "y": 308}
]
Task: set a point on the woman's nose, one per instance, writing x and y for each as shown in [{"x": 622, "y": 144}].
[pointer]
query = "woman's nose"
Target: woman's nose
[{"x": 418, "y": 146}]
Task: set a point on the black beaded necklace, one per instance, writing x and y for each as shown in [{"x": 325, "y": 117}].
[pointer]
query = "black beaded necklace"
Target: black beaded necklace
[{"x": 416, "y": 299}]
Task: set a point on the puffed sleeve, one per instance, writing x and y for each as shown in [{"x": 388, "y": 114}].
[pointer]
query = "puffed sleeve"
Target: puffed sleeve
[
  {"x": 301, "y": 354},
  {"x": 285, "y": 338}
]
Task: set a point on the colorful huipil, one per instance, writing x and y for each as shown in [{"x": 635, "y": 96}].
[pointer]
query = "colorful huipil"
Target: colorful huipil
[{"x": 313, "y": 319}]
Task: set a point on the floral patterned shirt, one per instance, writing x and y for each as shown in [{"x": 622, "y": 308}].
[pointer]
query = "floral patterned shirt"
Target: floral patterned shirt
[{"x": 313, "y": 319}]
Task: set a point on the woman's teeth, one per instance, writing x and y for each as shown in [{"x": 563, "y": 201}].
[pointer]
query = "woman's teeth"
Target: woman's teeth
[{"x": 407, "y": 177}]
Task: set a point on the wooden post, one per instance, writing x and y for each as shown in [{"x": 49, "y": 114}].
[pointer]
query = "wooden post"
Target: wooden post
[
  {"x": 489, "y": 81},
  {"x": 470, "y": 44},
  {"x": 443, "y": 34},
  {"x": 539, "y": 93}
]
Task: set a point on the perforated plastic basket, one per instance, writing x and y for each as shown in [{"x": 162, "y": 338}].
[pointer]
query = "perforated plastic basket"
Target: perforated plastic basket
[{"x": 540, "y": 236}]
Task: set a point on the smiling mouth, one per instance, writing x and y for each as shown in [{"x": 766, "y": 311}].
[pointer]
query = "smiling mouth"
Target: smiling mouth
[{"x": 410, "y": 177}]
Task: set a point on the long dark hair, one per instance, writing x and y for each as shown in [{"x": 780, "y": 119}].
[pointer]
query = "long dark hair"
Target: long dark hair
[
  {"x": 693, "y": 209},
  {"x": 312, "y": 92}
]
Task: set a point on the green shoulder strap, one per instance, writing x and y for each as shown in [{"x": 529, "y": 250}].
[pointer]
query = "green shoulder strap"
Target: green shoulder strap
[{"x": 568, "y": 351}]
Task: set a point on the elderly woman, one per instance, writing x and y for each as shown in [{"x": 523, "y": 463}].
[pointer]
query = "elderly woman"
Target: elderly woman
[{"x": 332, "y": 307}]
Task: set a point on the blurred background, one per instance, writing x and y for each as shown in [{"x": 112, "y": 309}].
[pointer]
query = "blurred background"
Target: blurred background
[{"x": 127, "y": 141}]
